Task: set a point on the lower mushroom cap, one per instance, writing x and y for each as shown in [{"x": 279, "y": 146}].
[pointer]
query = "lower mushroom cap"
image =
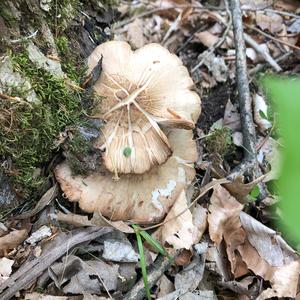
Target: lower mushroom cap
[{"x": 142, "y": 198}]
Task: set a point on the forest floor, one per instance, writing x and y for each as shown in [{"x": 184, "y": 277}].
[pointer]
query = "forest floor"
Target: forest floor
[{"x": 224, "y": 234}]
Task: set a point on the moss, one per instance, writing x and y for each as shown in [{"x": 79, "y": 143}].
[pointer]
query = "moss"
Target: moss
[
  {"x": 28, "y": 132},
  {"x": 61, "y": 13},
  {"x": 72, "y": 64},
  {"x": 78, "y": 149},
  {"x": 6, "y": 14},
  {"x": 219, "y": 141}
]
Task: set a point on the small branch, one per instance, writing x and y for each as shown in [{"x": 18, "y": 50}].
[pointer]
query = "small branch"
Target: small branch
[
  {"x": 272, "y": 37},
  {"x": 242, "y": 83},
  {"x": 31, "y": 270},
  {"x": 161, "y": 265},
  {"x": 260, "y": 67},
  {"x": 269, "y": 59}
]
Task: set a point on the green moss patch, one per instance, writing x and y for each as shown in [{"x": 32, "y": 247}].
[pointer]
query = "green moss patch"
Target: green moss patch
[{"x": 28, "y": 131}]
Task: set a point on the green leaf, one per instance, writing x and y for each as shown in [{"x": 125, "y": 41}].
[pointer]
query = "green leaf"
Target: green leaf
[
  {"x": 155, "y": 244},
  {"x": 285, "y": 93},
  {"x": 127, "y": 151},
  {"x": 254, "y": 193}
]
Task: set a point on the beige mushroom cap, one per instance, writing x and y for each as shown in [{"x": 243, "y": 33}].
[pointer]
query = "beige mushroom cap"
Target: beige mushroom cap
[
  {"x": 142, "y": 198},
  {"x": 143, "y": 92}
]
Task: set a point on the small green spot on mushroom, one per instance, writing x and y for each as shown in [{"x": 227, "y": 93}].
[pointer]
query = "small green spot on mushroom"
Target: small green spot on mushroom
[{"x": 127, "y": 151}]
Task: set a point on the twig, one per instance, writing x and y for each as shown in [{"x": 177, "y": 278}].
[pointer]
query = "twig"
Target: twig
[
  {"x": 172, "y": 28},
  {"x": 269, "y": 59},
  {"x": 211, "y": 49},
  {"x": 161, "y": 265},
  {"x": 260, "y": 67},
  {"x": 14, "y": 99},
  {"x": 245, "y": 102},
  {"x": 158, "y": 9},
  {"x": 272, "y": 37},
  {"x": 283, "y": 13},
  {"x": 24, "y": 38},
  {"x": 32, "y": 269}
]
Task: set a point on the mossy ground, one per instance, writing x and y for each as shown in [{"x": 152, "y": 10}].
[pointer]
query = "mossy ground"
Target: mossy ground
[
  {"x": 28, "y": 132},
  {"x": 219, "y": 141}
]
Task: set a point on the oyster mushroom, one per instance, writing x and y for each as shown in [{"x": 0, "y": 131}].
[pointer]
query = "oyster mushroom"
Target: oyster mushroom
[
  {"x": 150, "y": 112},
  {"x": 143, "y": 92},
  {"x": 141, "y": 198}
]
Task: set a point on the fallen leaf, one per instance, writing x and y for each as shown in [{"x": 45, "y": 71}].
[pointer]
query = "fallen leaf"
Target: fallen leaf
[
  {"x": 45, "y": 200},
  {"x": 189, "y": 278},
  {"x": 97, "y": 220},
  {"x": 284, "y": 282},
  {"x": 269, "y": 21},
  {"x": 135, "y": 33},
  {"x": 218, "y": 68},
  {"x": 13, "y": 239},
  {"x": 232, "y": 118},
  {"x": 39, "y": 235},
  {"x": 270, "y": 246},
  {"x": 119, "y": 251},
  {"x": 206, "y": 38},
  {"x": 5, "y": 268},
  {"x": 180, "y": 231},
  {"x": 165, "y": 286},
  {"x": 183, "y": 258},
  {"x": 224, "y": 214},
  {"x": 260, "y": 113},
  {"x": 92, "y": 276}
]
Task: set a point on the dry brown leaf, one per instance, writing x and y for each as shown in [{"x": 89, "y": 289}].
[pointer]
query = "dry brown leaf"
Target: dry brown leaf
[
  {"x": 13, "y": 239},
  {"x": 206, "y": 38},
  {"x": 183, "y": 258},
  {"x": 135, "y": 33},
  {"x": 200, "y": 221},
  {"x": 232, "y": 118},
  {"x": 284, "y": 282},
  {"x": 97, "y": 220},
  {"x": 287, "y": 5},
  {"x": 270, "y": 245},
  {"x": 224, "y": 214},
  {"x": 179, "y": 232},
  {"x": 240, "y": 190},
  {"x": 269, "y": 21},
  {"x": 165, "y": 286}
]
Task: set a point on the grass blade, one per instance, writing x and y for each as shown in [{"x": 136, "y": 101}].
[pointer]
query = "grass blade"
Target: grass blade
[
  {"x": 142, "y": 261},
  {"x": 155, "y": 244}
]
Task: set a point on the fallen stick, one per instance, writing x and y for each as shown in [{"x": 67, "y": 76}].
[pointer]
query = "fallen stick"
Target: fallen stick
[
  {"x": 161, "y": 265},
  {"x": 249, "y": 163},
  {"x": 245, "y": 101},
  {"x": 30, "y": 271},
  {"x": 268, "y": 58}
]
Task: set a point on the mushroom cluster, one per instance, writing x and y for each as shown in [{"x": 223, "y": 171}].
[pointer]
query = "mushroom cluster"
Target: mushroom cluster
[{"x": 149, "y": 111}]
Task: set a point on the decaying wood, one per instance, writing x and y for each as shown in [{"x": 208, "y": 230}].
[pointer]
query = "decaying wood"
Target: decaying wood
[{"x": 32, "y": 269}]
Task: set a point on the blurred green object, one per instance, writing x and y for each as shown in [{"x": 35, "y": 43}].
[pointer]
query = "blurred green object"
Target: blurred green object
[{"x": 285, "y": 94}]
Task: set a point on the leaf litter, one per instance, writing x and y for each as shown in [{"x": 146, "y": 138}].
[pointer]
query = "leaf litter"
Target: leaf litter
[{"x": 224, "y": 247}]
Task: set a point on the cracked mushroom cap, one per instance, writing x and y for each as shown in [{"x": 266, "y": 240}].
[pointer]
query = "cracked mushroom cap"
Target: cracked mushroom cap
[
  {"x": 143, "y": 93},
  {"x": 140, "y": 198}
]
